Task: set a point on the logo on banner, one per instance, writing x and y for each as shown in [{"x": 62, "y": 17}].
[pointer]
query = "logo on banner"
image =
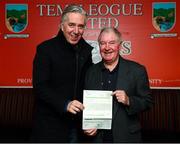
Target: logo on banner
[
  {"x": 16, "y": 20},
  {"x": 163, "y": 17},
  {"x": 16, "y": 17}
]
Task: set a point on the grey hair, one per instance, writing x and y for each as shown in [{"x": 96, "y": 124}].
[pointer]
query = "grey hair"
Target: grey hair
[
  {"x": 111, "y": 29},
  {"x": 73, "y": 9}
]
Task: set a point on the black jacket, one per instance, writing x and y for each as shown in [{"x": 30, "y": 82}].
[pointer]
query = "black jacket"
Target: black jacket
[
  {"x": 132, "y": 77},
  {"x": 58, "y": 77}
]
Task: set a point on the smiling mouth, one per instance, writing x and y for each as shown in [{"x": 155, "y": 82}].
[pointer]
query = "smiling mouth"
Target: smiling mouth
[
  {"x": 108, "y": 53},
  {"x": 74, "y": 37}
]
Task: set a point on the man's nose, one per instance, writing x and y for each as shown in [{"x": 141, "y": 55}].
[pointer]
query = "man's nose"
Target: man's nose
[
  {"x": 76, "y": 30},
  {"x": 107, "y": 45}
]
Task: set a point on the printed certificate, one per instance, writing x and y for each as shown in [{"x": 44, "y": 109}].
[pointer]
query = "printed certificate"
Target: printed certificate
[{"x": 98, "y": 109}]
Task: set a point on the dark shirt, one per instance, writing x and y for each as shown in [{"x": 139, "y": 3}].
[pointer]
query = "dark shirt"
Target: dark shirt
[{"x": 109, "y": 79}]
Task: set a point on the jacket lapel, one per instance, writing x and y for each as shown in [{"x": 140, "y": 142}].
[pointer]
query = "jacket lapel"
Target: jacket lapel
[
  {"x": 121, "y": 80},
  {"x": 99, "y": 84}
]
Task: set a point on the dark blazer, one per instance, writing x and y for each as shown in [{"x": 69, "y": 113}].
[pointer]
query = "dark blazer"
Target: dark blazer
[
  {"x": 133, "y": 78},
  {"x": 58, "y": 77}
]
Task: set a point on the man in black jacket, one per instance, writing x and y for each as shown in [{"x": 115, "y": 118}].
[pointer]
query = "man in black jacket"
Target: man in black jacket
[
  {"x": 131, "y": 93},
  {"x": 58, "y": 76}
]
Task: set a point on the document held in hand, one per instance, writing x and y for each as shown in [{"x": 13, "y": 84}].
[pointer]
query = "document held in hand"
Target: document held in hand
[{"x": 98, "y": 109}]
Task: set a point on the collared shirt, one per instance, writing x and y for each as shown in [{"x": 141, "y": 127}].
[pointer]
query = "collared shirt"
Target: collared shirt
[{"x": 109, "y": 80}]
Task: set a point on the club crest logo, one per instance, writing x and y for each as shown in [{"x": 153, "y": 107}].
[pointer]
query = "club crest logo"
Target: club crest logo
[
  {"x": 164, "y": 16},
  {"x": 16, "y": 17}
]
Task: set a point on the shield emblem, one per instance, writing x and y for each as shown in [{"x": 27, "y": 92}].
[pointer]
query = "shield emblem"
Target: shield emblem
[
  {"x": 163, "y": 16},
  {"x": 16, "y": 17}
]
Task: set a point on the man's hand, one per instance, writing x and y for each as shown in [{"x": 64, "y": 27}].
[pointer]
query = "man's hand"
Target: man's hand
[
  {"x": 121, "y": 96},
  {"x": 90, "y": 132},
  {"x": 74, "y": 107}
]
